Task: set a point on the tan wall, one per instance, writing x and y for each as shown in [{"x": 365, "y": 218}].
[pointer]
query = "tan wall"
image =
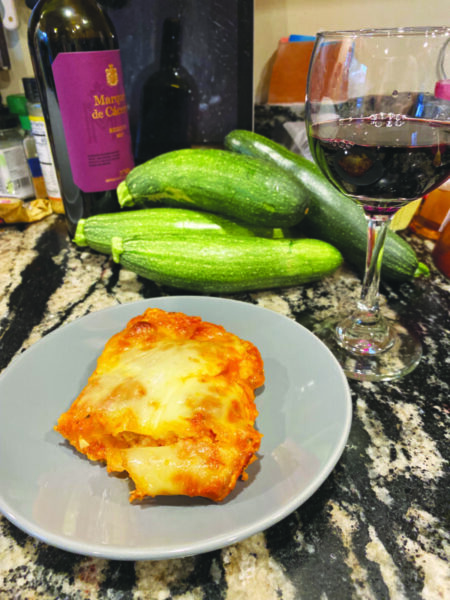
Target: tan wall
[
  {"x": 11, "y": 81},
  {"x": 273, "y": 20},
  {"x": 277, "y": 18}
]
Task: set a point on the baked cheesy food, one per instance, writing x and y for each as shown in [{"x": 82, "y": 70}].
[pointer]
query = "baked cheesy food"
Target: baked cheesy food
[{"x": 172, "y": 403}]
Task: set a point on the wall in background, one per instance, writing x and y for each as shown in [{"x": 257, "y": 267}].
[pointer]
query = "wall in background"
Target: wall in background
[
  {"x": 11, "y": 81},
  {"x": 278, "y": 18},
  {"x": 273, "y": 20}
]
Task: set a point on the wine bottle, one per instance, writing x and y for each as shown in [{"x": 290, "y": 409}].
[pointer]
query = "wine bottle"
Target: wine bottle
[
  {"x": 168, "y": 103},
  {"x": 76, "y": 60}
]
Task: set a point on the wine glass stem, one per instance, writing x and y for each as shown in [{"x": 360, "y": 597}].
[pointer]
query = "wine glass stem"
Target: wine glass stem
[
  {"x": 376, "y": 236},
  {"x": 366, "y": 332}
]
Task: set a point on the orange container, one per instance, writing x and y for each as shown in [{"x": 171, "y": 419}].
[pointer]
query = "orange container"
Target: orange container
[
  {"x": 441, "y": 252},
  {"x": 290, "y": 70},
  {"x": 432, "y": 211}
]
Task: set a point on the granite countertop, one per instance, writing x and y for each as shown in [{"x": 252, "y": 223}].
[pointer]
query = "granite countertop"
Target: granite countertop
[{"x": 376, "y": 528}]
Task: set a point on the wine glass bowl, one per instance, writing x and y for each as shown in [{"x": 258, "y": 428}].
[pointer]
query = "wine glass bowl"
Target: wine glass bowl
[{"x": 380, "y": 133}]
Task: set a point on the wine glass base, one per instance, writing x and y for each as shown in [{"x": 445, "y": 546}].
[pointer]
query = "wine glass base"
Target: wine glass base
[{"x": 398, "y": 360}]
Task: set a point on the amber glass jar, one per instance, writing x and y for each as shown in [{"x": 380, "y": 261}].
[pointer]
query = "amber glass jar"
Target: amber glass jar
[
  {"x": 441, "y": 252},
  {"x": 433, "y": 210}
]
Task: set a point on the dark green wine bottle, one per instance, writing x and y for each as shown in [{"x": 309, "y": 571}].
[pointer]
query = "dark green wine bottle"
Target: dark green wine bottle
[
  {"x": 76, "y": 60},
  {"x": 169, "y": 100}
]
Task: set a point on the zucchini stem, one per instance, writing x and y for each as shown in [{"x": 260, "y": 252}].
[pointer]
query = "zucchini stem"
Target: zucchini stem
[
  {"x": 123, "y": 194},
  {"x": 116, "y": 248},
  {"x": 80, "y": 236},
  {"x": 422, "y": 270}
]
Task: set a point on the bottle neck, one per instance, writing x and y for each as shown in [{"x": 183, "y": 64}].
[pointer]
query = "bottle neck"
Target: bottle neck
[{"x": 171, "y": 44}]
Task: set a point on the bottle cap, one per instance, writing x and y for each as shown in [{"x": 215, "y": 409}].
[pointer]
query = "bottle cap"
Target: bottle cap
[
  {"x": 17, "y": 104},
  {"x": 31, "y": 89},
  {"x": 442, "y": 89}
]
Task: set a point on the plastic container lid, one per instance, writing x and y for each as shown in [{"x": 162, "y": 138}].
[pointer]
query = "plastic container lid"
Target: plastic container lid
[
  {"x": 17, "y": 104},
  {"x": 302, "y": 38}
]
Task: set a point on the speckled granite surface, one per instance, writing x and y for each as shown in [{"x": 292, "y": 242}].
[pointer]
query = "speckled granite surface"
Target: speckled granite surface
[{"x": 377, "y": 527}]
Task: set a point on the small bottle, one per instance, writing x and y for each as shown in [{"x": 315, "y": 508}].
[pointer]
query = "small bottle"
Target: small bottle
[
  {"x": 42, "y": 142},
  {"x": 441, "y": 252},
  {"x": 169, "y": 100},
  {"x": 15, "y": 178},
  {"x": 76, "y": 60},
  {"x": 17, "y": 104},
  {"x": 34, "y": 164},
  {"x": 432, "y": 212}
]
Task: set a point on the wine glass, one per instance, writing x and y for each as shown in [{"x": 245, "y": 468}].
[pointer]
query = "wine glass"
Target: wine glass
[{"x": 379, "y": 131}]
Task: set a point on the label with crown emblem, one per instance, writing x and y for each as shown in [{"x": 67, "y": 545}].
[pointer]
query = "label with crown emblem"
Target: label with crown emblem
[
  {"x": 91, "y": 96},
  {"x": 112, "y": 77}
]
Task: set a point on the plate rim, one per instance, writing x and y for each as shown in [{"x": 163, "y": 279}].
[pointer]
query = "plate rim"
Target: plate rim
[{"x": 219, "y": 541}]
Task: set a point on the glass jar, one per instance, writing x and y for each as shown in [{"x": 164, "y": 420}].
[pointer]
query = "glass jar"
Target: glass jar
[
  {"x": 44, "y": 152},
  {"x": 432, "y": 212},
  {"x": 15, "y": 178},
  {"x": 441, "y": 252},
  {"x": 17, "y": 105}
]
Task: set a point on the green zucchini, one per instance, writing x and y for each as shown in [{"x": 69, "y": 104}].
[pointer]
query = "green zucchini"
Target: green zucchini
[
  {"x": 227, "y": 264},
  {"x": 245, "y": 188},
  {"x": 332, "y": 217},
  {"x": 156, "y": 223}
]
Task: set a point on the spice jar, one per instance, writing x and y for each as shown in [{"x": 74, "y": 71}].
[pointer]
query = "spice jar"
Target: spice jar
[{"x": 15, "y": 178}]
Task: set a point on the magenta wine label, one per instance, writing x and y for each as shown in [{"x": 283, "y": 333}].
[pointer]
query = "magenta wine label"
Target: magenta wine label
[{"x": 91, "y": 97}]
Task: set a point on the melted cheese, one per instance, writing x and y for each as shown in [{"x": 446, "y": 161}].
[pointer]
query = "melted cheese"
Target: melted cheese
[
  {"x": 172, "y": 403},
  {"x": 160, "y": 386}
]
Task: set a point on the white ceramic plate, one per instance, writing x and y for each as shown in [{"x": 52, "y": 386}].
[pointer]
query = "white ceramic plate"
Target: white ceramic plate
[{"x": 58, "y": 496}]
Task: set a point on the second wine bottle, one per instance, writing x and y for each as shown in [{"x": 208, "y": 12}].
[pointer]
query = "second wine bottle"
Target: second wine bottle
[{"x": 169, "y": 101}]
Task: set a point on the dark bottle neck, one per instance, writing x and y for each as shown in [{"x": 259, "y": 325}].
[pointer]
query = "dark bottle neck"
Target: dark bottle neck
[{"x": 171, "y": 44}]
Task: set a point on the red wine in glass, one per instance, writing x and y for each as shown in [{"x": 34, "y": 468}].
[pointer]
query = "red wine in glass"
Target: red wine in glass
[{"x": 385, "y": 160}]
